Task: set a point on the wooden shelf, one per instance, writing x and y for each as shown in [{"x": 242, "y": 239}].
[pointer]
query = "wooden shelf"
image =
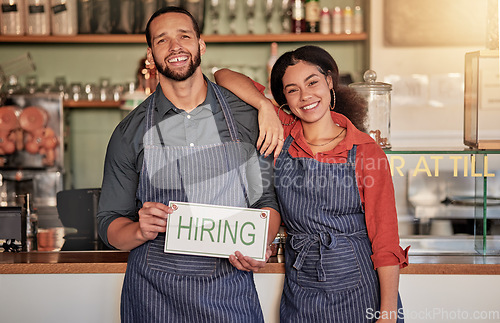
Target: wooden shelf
[
  {"x": 305, "y": 37},
  {"x": 140, "y": 39},
  {"x": 85, "y": 39},
  {"x": 92, "y": 104}
]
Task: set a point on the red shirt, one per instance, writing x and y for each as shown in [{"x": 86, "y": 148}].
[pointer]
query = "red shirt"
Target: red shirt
[{"x": 374, "y": 182}]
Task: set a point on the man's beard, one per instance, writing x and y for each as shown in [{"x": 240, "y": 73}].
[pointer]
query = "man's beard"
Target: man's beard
[{"x": 168, "y": 73}]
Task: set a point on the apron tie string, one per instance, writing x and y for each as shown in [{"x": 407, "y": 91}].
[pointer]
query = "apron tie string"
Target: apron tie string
[{"x": 302, "y": 243}]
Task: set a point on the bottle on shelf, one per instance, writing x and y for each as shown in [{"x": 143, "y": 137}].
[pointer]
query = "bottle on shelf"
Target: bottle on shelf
[
  {"x": 298, "y": 17},
  {"x": 175, "y": 3},
  {"x": 312, "y": 10},
  {"x": 325, "y": 22},
  {"x": 270, "y": 63},
  {"x": 358, "y": 26},
  {"x": 211, "y": 15},
  {"x": 196, "y": 8},
  {"x": 125, "y": 13},
  {"x": 30, "y": 222},
  {"x": 146, "y": 10},
  {"x": 259, "y": 18},
  {"x": 223, "y": 21},
  {"x": 240, "y": 25},
  {"x": 250, "y": 4},
  {"x": 337, "y": 20},
  {"x": 348, "y": 20},
  {"x": 286, "y": 15},
  {"x": 102, "y": 16},
  {"x": 85, "y": 17},
  {"x": 274, "y": 16}
]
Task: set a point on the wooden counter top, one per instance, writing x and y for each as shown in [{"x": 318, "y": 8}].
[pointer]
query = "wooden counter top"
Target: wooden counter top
[
  {"x": 85, "y": 262},
  {"x": 79, "y": 262}
]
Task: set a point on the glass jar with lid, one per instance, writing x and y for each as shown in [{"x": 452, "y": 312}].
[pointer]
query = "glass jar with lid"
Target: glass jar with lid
[{"x": 378, "y": 97}]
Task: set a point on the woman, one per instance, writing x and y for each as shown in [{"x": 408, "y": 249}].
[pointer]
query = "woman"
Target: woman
[{"x": 336, "y": 196}]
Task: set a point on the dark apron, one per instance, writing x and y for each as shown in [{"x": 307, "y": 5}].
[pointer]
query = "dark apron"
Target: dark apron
[
  {"x": 165, "y": 287},
  {"x": 329, "y": 274}
]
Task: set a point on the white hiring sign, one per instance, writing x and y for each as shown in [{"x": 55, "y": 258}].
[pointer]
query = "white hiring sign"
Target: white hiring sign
[{"x": 216, "y": 231}]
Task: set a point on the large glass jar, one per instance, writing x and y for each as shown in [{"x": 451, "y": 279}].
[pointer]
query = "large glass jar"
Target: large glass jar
[{"x": 378, "y": 96}]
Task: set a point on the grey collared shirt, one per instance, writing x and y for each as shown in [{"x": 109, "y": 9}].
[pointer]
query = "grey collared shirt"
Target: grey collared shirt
[{"x": 204, "y": 125}]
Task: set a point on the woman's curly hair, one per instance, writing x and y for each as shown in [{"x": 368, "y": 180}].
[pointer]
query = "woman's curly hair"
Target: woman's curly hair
[{"x": 348, "y": 101}]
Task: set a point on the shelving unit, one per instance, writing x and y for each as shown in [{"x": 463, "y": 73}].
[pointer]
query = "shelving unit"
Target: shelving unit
[
  {"x": 92, "y": 104},
  {"x": 81, "y": 56},
  {"x": 139, "y": 38}
]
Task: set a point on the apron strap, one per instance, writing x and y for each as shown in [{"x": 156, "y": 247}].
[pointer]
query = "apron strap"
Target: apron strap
[
  {"x": 231, "y": 124},
  {"x": 150, "y": 122},
  {"x": 351, "y": 156},
  {"x": 287, "y": 143}
]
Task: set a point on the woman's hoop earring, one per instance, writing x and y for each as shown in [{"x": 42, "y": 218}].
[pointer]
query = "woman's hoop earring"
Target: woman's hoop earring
[
  {"x": 334, "y": 100},
  {"x": 286, "y": 124}
]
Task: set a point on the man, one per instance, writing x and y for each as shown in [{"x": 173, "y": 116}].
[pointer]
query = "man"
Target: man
[{"x": 189, "y": 141}]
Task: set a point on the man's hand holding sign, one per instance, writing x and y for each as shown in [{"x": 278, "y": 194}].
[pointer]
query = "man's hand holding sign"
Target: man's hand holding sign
[{"x": 217, "y": 231}]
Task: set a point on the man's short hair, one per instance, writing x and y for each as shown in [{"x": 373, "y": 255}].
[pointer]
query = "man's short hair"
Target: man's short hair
[{"x": 163, "y": 10}]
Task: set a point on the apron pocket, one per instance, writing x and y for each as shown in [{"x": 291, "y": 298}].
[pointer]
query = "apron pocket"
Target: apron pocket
[
  {"x": 340, "y": 264},
  {"x": 185, "y": 265}
]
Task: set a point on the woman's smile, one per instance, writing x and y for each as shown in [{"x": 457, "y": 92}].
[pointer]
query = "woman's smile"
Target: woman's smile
[
  {"x": 311, "y": 106},
  {"x": 307, "y": 92}
]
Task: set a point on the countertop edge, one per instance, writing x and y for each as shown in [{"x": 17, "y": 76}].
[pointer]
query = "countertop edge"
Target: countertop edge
[
  {"x": 451, "y": 269},
  {"x": 64, "y": 268},
  {"x": 271, "y": 268}
]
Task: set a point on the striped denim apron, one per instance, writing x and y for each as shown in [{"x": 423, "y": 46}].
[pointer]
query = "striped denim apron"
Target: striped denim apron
[
  {"x": 164, "y": 287},
  {"x": 329, "y": 272}
]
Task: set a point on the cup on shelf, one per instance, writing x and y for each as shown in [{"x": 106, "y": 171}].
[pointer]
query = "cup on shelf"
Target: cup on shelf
[
  {"x": 31, "y": 84},
  {"x": 117, "y": 92},
  {"x": 90, "y": 92},
  {"x": 76, "y": 92},
  {"x": 61, "y": 87}
]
